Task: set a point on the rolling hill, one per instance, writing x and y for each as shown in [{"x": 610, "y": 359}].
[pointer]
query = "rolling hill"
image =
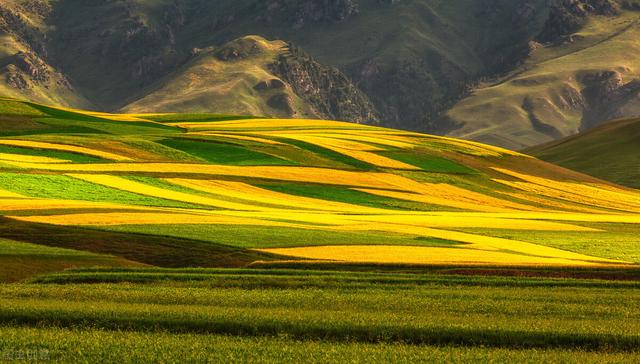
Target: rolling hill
[
  {"x": 184, "y": 190},
  {"x": 609, "y": 151}
]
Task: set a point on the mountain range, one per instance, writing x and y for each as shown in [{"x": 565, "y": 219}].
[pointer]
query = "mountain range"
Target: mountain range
[{"x": 512, "y": 73}]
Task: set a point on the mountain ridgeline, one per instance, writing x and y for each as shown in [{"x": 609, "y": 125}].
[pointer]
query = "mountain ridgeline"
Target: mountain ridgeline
[{"x": 498, "y": 71}]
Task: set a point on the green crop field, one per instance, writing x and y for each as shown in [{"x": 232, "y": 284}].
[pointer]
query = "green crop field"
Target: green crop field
[{"x": 172, "y": 238}]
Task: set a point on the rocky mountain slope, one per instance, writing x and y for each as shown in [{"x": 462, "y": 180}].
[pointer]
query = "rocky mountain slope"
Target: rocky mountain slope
[{"x": 507, "y": 72}]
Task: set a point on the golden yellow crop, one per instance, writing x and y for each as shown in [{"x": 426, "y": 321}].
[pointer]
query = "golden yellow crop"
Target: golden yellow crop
[
  {"x": 144, "y": 218},
  {"x": 626, "y": 200},
  {"x": 65, "y": 148},
  {"x": 8, "y": 194},
  {"x": 30, "y": 158},
  {"x": 421, "y": 255},
  {"x": 432, "y": 221}
]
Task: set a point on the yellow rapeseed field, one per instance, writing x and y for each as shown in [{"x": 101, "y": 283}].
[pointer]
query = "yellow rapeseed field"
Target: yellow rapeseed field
[
  {"x": 422, "y": 255},
  {"x": 65, "y": 148},
  {"x": 30, "y": 158},
  {"x": 145, "y": 218}
]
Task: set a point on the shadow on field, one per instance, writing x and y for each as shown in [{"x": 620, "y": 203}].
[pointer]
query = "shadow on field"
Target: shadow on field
[{"x": 161, "y": 251}]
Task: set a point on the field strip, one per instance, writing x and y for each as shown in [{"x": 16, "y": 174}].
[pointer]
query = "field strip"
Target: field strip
[
  {"x": 353, "y": 149},
  {"x": 420, "y": 255},
  {"x": 148, "y": 190},
  {"x": 257, "y": 124},
  {"x": 279, "y": 173},
  {"x": 238, "y": 136},
  {"x": 65, "y": 148},
  {"x": 555, "y": 205},
  {"x": 9, "y": 194},
  {"x": 31, "y": 158},
  {"x": 26, "y": 204},
  {"x": 576, "y": 191},
  {"x": 386, "y": 140},
  {"x": 452, "y": 196},
  {"x": 471, "y": 222},
  {"x": 147, "y": 218},
  {"x": 570, "y": 196},
  {"x": 249, "y": 193},
  {"x": 484, "y": 242}
]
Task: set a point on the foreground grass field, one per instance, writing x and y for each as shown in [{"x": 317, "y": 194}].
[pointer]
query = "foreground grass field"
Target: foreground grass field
[
  {"x": 276, "y": 315},
  {"x": 325, "y": 237}
]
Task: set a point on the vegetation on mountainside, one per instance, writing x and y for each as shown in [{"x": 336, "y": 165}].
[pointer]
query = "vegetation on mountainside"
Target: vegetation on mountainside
[
  {"x": 609, "y": 152},
  {"x": 563, "y": 88}
]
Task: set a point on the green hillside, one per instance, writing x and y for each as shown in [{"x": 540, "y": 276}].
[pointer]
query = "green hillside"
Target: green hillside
[{"x": 610, "y": 152}]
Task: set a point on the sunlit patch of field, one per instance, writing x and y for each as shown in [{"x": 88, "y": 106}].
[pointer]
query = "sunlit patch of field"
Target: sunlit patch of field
[
  {"x": 425, "y": 255},
  {"x": 30, "y": 159},
  {"x": 65, "y": 148}
]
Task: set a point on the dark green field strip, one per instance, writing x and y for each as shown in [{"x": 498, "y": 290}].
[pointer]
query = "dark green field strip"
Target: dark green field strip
[
  {"x": 223, "y": 153},
  {"x": 15, "y": 107},
  {"x": 69, "y": 188},
  {"x": 104, "y": 126},
  {"x": 494, "y": 317},
  {"x": 91, "y": 345},
  {"x": 253, "y": 237},
  {"x": 278, "y": 278},
  {"x": 155, "y": 250},
  {"x": 74, "y": 157},
  {"x": 76, "y": 116}
]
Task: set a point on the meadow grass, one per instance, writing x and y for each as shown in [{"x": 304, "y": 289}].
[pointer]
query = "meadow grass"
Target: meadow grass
[
  {"x": 430, "y": 313},
  {"x": 91, "y": 345}
]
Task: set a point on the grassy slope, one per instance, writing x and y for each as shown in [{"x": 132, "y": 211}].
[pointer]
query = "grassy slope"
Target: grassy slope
[
  {"x": 553, "y": 79},
  {"x": 609, "y": 152}
]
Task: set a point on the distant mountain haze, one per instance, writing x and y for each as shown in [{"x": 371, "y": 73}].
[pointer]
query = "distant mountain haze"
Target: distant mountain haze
[{"x": 513, "y": 73}]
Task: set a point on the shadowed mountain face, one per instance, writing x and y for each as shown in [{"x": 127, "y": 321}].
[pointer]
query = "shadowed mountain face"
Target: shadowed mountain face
[{"x": 508, "y": 72}]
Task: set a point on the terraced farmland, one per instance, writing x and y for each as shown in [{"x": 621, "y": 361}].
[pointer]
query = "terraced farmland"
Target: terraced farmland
[{"x": 296, "y": 210}]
